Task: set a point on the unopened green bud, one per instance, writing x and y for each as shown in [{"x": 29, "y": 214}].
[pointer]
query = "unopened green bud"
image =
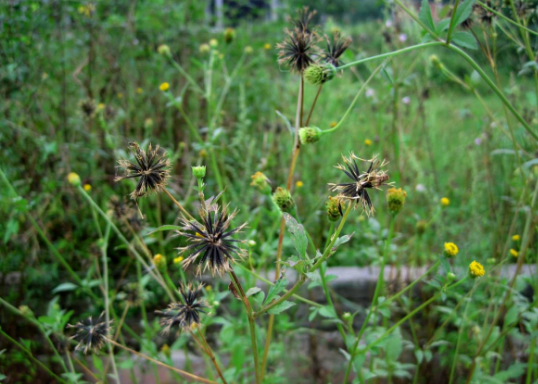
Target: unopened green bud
[
  {"x": 148, "y": 123},
  {"x": 310, "y": 135},
  {"x": 450, "y": 276},
  {"x": 260, "y": 181},
  {"x": 333, "y": 207},
  {"x": 396, "y": 199},
  {"x": 434, "y": 59},
  {"x": 198, "y": 171},
  {"x": 73, "y": 179},
  {"x": 318, "y": 74},
  {"x": 229, "y": 35},
  {"x": 283, "y": 199},
  {"x": 163, "y": 50},
  {"x": 26, "y": 311},
  {"x": 421, "y": 227}
]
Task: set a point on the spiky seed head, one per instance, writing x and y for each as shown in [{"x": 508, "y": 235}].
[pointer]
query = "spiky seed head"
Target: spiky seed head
[
  {"x": 151, "y": 168},
  {"x": 396, "y": 199},
  {"x": 335, "y": 48},
  {"x": 211, "y": 242},
  {"x": 317, "y": 74},
  {"x": 309, "y": 135},
  {"x": 296, "y": 49},
  {"x": 283, "y": 200},
  {"x": 88, "y": 108},
  {"x": 91, "y": 335},
  {"x": 184, "y": 315}
]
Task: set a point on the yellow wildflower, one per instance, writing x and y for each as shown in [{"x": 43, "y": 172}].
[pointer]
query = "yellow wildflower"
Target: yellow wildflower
[
  {"x": 333, "y": 124},
  {"x": 204, "y": 48},
  {"x": 451, "y": 249},
  {"x": 73, "y": 179},
  {"x": 445, "y": 201},
  {"x": 120, "y": 95},
  {"x": 514, "y": 253},
  {"x": 299, "y": 184},
  {"x": 476, "y": 269},
  {"x": 139, "y": 90},
  {"x": 178, "y": 260},
  {"x": 164, "y": 87},
  {"x": 87, "y": 187},
  {"x": 368, "y": 142},
  {"x": 516, "y": 237},
  {"x": 159, "y": 261}
]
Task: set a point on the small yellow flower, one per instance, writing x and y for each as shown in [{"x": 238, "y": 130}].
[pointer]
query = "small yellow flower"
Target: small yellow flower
[
  {"x": 516, "y": 237},
  {"x": 166, "y": 350},
  {"x": 248, "y": 49},
  {"x": 139, "y": 90},
  {"x": 213, "y": 43},
  {"x": 514, "y": 253},
  {"x": 451, "y": 249},
  {"x": 299, "y": 184},
  {"x": 178, "y": 260},
  {"x": 73, "y": 179},
  {"x": 164, "y": 87},
  {"x": 159, "y": 261},
  {"x": 204, "y": 48},
  {"x": 267, "y": 46},
  {"x": 333, "y": 124},
  {"x": 87, "y": 187},
  {"x": 163, "y": 50},
  {"x": 101, "y": 106},
  {"x": 208, "y": 288},
  {"x": 476, "y": 269},
  {"x": 445, "y": 201},
  {"x": 368, "y": 142},
  {"x": 396, "y": 199},
  {"x": 120, "y": 95},
  {"x": 203, "y": 153}
]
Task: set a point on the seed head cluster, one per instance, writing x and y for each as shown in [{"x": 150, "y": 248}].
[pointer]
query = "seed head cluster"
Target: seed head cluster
[
  {"x": 91, "y": 335},
  {"x": 183, "y": 315}
]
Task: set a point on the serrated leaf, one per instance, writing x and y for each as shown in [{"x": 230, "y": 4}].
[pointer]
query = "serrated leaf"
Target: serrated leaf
[
  {"x": 511, "y": 316},
  {"x": 464, "y": 11},
  {"x": 327, "y": 312},
  {"x": 425, "y": 15},
  {"x": 342, "y": 240},
  {"x": 276, "y": 289},
  {"x": 442, "y": 26},
  {"x": 297, "y": 234},
  {"x": 281, "y": 307},
  {"x": 464, "y": 40},
  {"x": 64, "y": 287}
]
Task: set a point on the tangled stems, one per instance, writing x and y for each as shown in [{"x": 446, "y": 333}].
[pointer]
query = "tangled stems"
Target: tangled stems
[
  {"x": 252, "y": 325},
  {"x": 184, "y": 373},
  {"x": 378, "y": 288},
  {"x": 499, "y": 14},
  {"x": 207, "y": 349}
]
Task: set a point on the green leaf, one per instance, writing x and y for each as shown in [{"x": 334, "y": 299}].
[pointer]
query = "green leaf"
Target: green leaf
[
  {"x": 464, "y": 11},
  {"x": 253, "y": 291},
  {"x": 276, "y": 289},
  {"x": 515, "y": 371},
  {"x": 328, "y": 312},
  {"x": 442, "y": 26},
  {"x": 64, "y": 287},
  {"x": 2, "y": 376},
  {"x": 97, "y": 363},
  {"x": 165, "y": 228},
  {"x": 511, "y": 315},
  {"x": 281, "y": 307},
  {"x": 425, "y": 15},
  {"x": 297, "y": 234},
  {"x": 464, "y": 40}
]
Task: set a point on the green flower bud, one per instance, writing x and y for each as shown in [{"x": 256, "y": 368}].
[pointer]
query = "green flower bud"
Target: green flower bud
[
  {"x": 421, "y": 227},
  {"x": 434, "y": 59},
  {"x": 163, "y": 50},
  {"x": 198, "y": 171},
  {"x": 160, "y": 262},
  {"x": 283, "y": 199},
  {"x": 73, "y": 179},
  {"x": 318, "y": 74},
  {"x": 229, "y": 35},
  {"x": 333, "y": 207},
  {"x": 450, "y": 276},
  {"x": 396, "y": 199},
  {"x": 310, "y": 135},
  {"x": 260, "y": 181}
]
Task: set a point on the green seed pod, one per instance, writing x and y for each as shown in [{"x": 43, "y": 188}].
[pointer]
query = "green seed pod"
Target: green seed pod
[
  {"x": 198, "y": 171},
  {"x": 283, "y": 199},
  {"x": 164, "y": 50},
  {"x": 333, "y": 207},
  {"x": 310, "y": 135},
  {"x": 396, "y": 199},
  {"x": 318, "y": 74}
]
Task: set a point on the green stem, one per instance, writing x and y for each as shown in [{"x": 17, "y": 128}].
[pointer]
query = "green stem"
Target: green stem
[
  {"x": 378, "y": 289},
  {"x": 186, "y": 75},
  {"x": 23, "y": 348},
  {"x": 452, "y": 21},
  {"x": 499, "y": 14}
]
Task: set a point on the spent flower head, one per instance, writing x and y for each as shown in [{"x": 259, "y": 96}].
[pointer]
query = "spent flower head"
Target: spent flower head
[
  {"x": 356, "y": 191},
  {"x": 211, "y": 242},
  {"x": 296, "y": 49},
  {"x": 91, "y": 334},
  {"x": 183, "y": 315},
  {"x": 335, "y": 48},
  {"x": 151, "y": 168}
]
